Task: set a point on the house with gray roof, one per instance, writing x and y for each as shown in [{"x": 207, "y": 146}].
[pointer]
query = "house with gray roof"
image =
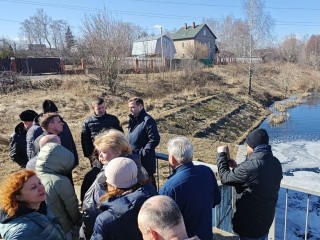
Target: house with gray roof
[
  {"x": 151, "y": 47},
  {"x": 188, "y": 37}
]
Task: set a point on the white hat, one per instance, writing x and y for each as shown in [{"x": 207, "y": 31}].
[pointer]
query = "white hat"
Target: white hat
[{"x": 121, "y": 172}]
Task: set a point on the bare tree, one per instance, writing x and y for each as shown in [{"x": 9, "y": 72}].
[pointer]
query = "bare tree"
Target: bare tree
[
  {"x": 260, "y": 25},
  {"x": 313, "y": 51},
  {"x": 197, "y": 50},
  {"x": 286, "y": 78},
  {"x": 57, "y": 33},
  {"x": 28, "y": 31},
  {"x": 43, "y": 22},
  {"x": 108, "y": 42},
  {"x": 41, "y": 29},
  {"x": 290, "y": 48},
  {"x": 6, "y": 48},
  {"x": 230, "y": 33}
]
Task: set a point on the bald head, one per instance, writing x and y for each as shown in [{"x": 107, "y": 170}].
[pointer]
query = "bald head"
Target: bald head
[
  {"x": 160, "y": 218},
  {"x": 49, "y": 138}
]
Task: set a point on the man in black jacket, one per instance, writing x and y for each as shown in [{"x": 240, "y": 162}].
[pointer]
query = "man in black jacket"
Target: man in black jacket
[
  {"x": 35, "y": 131},
  {"x": 18, "y": 143},
  {"x": 95, "y": 124},
  {"x": 257, "y": 182},
  {"x": 143, "y": 134}
]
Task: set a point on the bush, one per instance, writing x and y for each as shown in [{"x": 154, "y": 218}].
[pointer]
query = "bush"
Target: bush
[{"x": 11, "y": 82}]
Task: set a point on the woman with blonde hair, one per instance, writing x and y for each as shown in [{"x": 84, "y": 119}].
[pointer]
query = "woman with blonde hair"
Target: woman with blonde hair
[
  {"x": 23, "y": 211},
  {"x": 109, "y": 144}
]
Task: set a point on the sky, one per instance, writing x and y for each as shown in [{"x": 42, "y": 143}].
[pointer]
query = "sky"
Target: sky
[{"x": 291, "y": 16}]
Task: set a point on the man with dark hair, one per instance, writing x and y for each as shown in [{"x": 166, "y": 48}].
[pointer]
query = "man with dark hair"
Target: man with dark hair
[
  {"x": 257, "y": 182},
  {"x": 96, "y": 123},
  {"x": 18, "y": 143},
  {"x": 193, "y": 187},
  {"x": 160, "y": 218},
  {"x": 51, "y": 124},
  {"x": 143, "y": 134},
  {"x": 35, "y": 131}
]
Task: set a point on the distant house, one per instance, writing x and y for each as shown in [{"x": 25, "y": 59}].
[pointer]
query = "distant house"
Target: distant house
[
  {"x": 151, "y": 47},
  {"x": 189, "y": 36},
  {"x": 37, "y": 47}
]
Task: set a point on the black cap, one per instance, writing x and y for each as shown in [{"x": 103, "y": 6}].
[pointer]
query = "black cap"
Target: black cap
[
  {"x": 49, "y": 106},
  {"x": 257, "y": 137},
  {"x": 28, "y": 115}
]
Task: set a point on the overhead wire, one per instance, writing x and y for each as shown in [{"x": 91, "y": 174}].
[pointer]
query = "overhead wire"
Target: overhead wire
[{"x": 156, "y": 15}]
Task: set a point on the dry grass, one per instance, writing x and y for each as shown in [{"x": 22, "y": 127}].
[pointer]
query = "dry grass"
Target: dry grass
[
  {"x": 167, "y": 95},
  {"x": 283, "y": 106},
  {"x": 278, "y": 118},
  {"x": 290, "y": 103}
]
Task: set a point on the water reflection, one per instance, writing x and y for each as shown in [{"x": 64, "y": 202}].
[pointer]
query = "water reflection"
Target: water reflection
[{"x": 303, "y": 123}]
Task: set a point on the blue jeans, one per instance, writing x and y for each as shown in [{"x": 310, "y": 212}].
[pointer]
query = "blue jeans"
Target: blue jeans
[{"x": 258, "y": 238}]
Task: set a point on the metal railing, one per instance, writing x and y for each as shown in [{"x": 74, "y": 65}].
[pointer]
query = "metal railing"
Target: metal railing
[
  {"x": 308, "y": 193},
  {"x": 224, "y": 211}
]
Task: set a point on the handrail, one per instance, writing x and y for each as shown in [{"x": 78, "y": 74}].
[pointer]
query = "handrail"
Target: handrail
[
  {"x": 286, "y": 186},
  {"x": 300, "y": 189}
]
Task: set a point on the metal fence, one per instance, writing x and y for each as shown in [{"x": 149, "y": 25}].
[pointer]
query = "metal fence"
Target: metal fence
[{"x": 222, "y": 213}]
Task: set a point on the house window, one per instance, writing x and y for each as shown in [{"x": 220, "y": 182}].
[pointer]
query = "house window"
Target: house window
[
  {"x": 183, "y": 44},
  {"x": 204, "y": 32},
  {"x": 209, "y": 44}
]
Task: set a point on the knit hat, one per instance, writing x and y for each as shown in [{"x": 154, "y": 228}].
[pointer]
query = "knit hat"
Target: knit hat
[
  {"x": 49, "y": 106},
  {"x": 257, "y": 137},
  {"x": 28, "y": 115},
  {"x": 121, "y": 172}
]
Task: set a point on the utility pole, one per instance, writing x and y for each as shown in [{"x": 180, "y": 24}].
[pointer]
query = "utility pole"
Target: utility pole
[{"x": 161, "y": 47}]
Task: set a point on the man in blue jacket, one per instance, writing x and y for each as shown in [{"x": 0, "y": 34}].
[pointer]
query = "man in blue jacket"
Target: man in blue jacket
[
  {"x": 257, "y": 182},
  {"x": 143, "y": 135},
  {"x": 193, "y": 187}
]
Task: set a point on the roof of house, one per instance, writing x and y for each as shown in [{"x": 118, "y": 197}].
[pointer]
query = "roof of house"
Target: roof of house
[
  {"x": 150, "y": 38},
  {"x": 190, "y": 32}
]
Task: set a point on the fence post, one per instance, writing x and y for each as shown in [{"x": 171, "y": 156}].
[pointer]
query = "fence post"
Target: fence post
[
  {"x": 13, "y": 65},
  {"x": 137, "y": 64}
]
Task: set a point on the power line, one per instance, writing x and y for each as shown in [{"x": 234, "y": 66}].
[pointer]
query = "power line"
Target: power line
[
  {"x": 221, "y": 5},
  {"x": 73, "y": 7},
  {"x": 153, "y": 15},
  {"x": 8, "y": 20}
]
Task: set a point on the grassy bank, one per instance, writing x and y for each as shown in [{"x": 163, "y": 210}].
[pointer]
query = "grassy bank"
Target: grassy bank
[{"x": 211, "y": 106}]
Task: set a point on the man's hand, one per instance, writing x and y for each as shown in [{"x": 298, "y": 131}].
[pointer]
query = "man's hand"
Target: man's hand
[
  {"x": 223, "y": 149},
  {"x": 231, "y": 163}
]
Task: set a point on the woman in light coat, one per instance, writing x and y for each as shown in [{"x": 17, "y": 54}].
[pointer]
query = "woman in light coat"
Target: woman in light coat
[{"x": 53, "y": 165}]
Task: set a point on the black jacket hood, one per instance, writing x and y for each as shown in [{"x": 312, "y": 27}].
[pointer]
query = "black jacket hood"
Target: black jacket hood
[{"x": 19, "y": 129}]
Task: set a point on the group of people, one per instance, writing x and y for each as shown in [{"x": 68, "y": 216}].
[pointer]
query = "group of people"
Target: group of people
[{"x": 119, "y": 199}]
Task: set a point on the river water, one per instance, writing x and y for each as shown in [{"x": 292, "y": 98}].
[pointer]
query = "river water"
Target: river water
[{"x": 296, "y": 143}]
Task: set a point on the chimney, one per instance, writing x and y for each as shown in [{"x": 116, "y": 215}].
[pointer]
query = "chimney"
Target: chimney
[
  {"x": 193, "y": 25},
  {"x": 185, "y": 26}
]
